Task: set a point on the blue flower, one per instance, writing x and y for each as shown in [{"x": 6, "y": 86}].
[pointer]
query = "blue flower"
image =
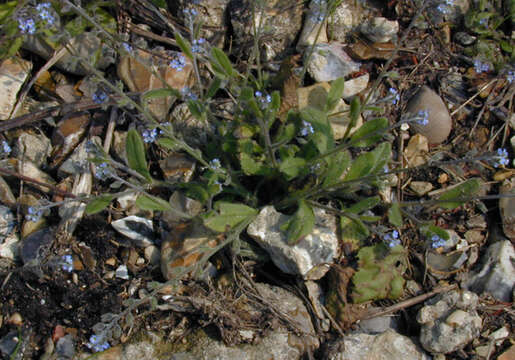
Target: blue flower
[
  {"x": 67, "y": 263},
  {"x": 501, "y": 158},
  {"x": 34, "y": 214},
  {"x": 394, "y": 96},
  {"x": 5, "y": 149},
  {"x": 44, "y": 13},
  {"x": 319, "y": 10},
  {"x": 215, "y": 164},
  {"x": 127, "y": 47},
  {"x": 99, "y": 97},
  {"x": 264, "y": 100},
  {"x": 480, "y": 66},
  {"x": 437, "y": 241},
  {"x": 190, "y": 13},
  {"x": 307, "y": 129},
  {"x": 445, "y": 7},
  {"x": 97, "y": 343},
  {"x": 422, "y": 117},
  {"x": 103, "y": 171},
  {"x": 27, "y": 26},
  {"x": 149, "y": 136},
  {"x": 510, "y": 76},
  {"x": 178, "y": 63},
  {"x": 392, "y": 239},
  {"x": 187, "y": 94},
  {"x": 197, "y": 45}
]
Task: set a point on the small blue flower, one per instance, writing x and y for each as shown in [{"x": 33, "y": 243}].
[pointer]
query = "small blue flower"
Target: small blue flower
[
  {"x": 394, "y": 96},
  {"x": 422, "y": 117},
  {"x": 27, "y": 26},
  {"x": 34, "y": 214},
  {"x": 190, "y": 13},
  {"x": 127, "y": 47},
  {"x": 44, "y": 13},
  {"x": 437, "y": 242},
  {"x": 501, "y": 158},
  {"x": 215, "y": 164},
  {"x": 483, "y": 21},
  {"x": 197, "y": 45},
  {"x": 5, "y": 149},
  {"x": 264, "y": 100},
  {"x": 307, "y": 129},
  {"x": 178, "y": 63},
  {"x": 480, "y": 66},
  {"x": 67, "y": 263},
  {"x": 392, "y": 239},
  {"x": 103, "y": 171},
  {"x": 510, "y": 76},
  {"x": 97, "y": 343},
  {"x": 149, "y": 136},
  {"x": 99, "y": 97},
  {"x": 187, "y": 94}
]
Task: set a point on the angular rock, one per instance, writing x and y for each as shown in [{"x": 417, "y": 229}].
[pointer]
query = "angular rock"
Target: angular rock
[
  {"x": 416, "y": 152},
  {"x": 32, "y": 147},
  {"x": 86, "y": 44},
  {"x": 10, "y": 246},
  {"x": 67, "y": 135},
  {"x": 439, "y": 124},
  {"x": 135, "y": 72},
  {"x": 355, "y": 86},
  {"x": 380, "y": 29},
  {"x": 507, "y": 208},
  {"x": 13, "y": 73},
  {"x": 6, "y": 195},
  {"x": 449, "y": 321},
  {"x": 138, "y": 229},
  {"x": 379, "y": 324},
  {"x": 330, "y": 62},
  {"x": 177, "y": 167},
  {"x": 281, "y": 20},
  {"x": 497, "y": 274},
  {"x": 29, "y": 169},
  {"x": 388, "y": 345},
  {"x": 346, "y": 17},
  {"x": 312, "y": 26},
  {"x": 319, "y": 247}
]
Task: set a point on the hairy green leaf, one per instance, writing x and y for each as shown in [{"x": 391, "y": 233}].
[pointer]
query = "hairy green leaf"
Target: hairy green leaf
[
  {"x": 369, "y": 133},
  {"x": 466, "y": 189},
  {"x": 98, "y": 204},
  {"x": 292, "y": 166},
  {"x": 337, "y": 164},
  {"x": 135, "y": 150},
  {"x": 227, "y": 215},
  {"x": 335, "y": 94},
  {"x": 395, "y": 215},
  {"x": 184, "y": 45},
  {"x": 149, "y": 202},
  {"x": 370, "y": 162},
  {"x": 300, "y": 224},
  {"x": 220, "y": 58}
]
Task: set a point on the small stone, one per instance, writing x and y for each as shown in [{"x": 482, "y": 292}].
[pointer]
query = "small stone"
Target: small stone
[
  {"x": 8, "y": 343},
  {"x": 29, "y": 169},
  {"x": 439, "y": 123},
  {"x": 13, "y": 73},
  {"x": 122, "y": 272},
  {"x": 507, "y": 208},
  {"x": 67, "y": 135},
  {"x": 380, "y": 29},
  {"x": 311, "y": 28},
  {"x": 111, "y": 261},
  {"x": 33, "y": 245},
  {"x": 9, "y": 247},
  {"x": 348, "y": 15},
  {"x": 65, "y": 347},
  {"x": 421, "y": 187},
  {"x": 6, "y": 195},
  {"x": 177, "y": 167},
  {"x": 474, "y": 237},
  {"x": 416, "y": 152},
  {"x": 464, "y": 39},
  {"x": 355, "y": 86},
  {"x": 35, "y": 148},
  {"x": 443, "y": 178},
  {"x": 378, "y": 324},
  {"x": 15, "y": 319},
  {"x": 138, "y": 229},
  {"x": 152, "y": 255},
  {"x": 7, "y": 221},
  {"x": 330, "y": 62},
  {"x": 497, "y": 274}
]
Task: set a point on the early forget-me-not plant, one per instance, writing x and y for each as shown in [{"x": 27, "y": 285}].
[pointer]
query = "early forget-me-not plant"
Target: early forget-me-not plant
[{"x": 257, "y": 158}]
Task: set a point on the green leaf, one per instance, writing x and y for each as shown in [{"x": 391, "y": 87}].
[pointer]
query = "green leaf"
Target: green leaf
[
  {"x": 429, "y": 230},
  {"x": 168, "y": 143},
  {"x": 369, "y": 133},
  {"x": 354, "y": 231},
  {"x": 213, "y": 88},
  {"x": 184, "y": 45},
  {"x": 15, "y": 46},
  {"x": 98, "y": 204},
  {"x": 149, "y": 202},
  {"x": 292, "y": 166},
  {"x": 160, "y": 93},
  {"x": 196, "y": 109},
  {"x": 395, "y": 215},
  {"x": 300, "y": 224},
  {"x": 323, "y": 136},
  {"x": 223, "y": 61},
  {"x": 466, "y": 189},
  {"x": 195, "y": 191},
  {"x": 370, "y": 162},
  {"x": 251, "y": 166},
  {"x": 335, "y": 94},
  {"x": 227, "y": 215},
  {"x": 135, "y": 150},
  {"x": 337, "y": 164},
  {"x": 364, "y": 205},
  {"x": 355, "y": 111}
]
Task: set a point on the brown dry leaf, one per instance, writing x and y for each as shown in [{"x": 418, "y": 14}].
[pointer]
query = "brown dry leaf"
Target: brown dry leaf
[
  {"x": 287, "y": 82},
  {"x": 362, "y": 50}
]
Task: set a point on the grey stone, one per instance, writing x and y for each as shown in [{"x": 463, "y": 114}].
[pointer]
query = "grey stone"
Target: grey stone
[
  {"x": 355, "y": 86},
  {"x": 122, "y": 272},
  {"x": 497, "y": 274},
  {"x": 330, "y": 62},
  {"x": 77, "y": 162},
  {"x": 86, "y": 44},
  {"x": 464, "y": 39},
  {"x": 439, "y": 123},
  {"x": 312, "y": 26},
  {"x": 13, "y": 73},
  {"x": 346, "y": 17},
  {"x": 65, "y": 347},
  {"x": 35, "y": 148},
  {"x": 33, "y": 245},
  {"x": 380, "y": 29},
  {"x": 319, "y": 247},
  {"x": 449, "y": 321},
  {"x": 388, "y": 345},
  {"x": 138, "y": 229},
  {"x": 378, "y": 324},
  {"x": 31, "y": 170}
]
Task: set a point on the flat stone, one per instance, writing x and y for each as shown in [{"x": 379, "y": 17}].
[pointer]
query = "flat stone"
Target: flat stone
[
  {"x": 388, "y": 345},
  {"x": 497, "y": 274},
  {"x": 330, "y": 62},
  {"x": 33, "y": 147},
  {"x": 138, "y": 229},
  {"x": 317, "y": 248},
  {"x": 380, "y": 29},
  {"x": 449, "y": 321},
  {"x": 32, "y": 245},
  {"x": 13, "y": 73},
  {"x": 421, "y": 187},
  {"x": 345, "y": 19},
  {"x": 439, "y": 124},
  {"x": 355, "y": 86}
]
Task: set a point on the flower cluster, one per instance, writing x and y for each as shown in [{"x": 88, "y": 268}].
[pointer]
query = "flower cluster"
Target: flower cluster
[
  {"x": 99, "y": 97},
  {"x": 178, "y": 63},
  {"x": 263, "y": 100},
  {"x": 445, "y": 7},
  {"x": 501, "y": 158},
  {"x": 422, "y": 117},
  {"x": 103, "y": 171},
  {"x": 67, "y": 261},
  {"x": 97, "y": 343},
  {"x": 307, "y": 129},
  {"x": 215, "y": 164},
  {"x": 187, "y": 94},
  {"x": 437, "y": 242},
  {"x": 34, "y": 213},
  {"x": 149, "y": 136},
  {"x": 392, "y": 239},
  {"x": 190, "y": 13},
  {"x": 197, "y": 46},
  {"x": 27, "y": 26},
  {"x": 43, "y": 10},
  {"x": 5, "y": 149},
  {"x": 480, "y": 66},
  {"x": 394, "y": 96}
]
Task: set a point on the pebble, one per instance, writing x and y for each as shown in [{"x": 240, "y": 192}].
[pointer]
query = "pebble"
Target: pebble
[
  {"x": 380, "y": 29},
  {"x": 32, "y": 147},
  {"x": 138, "y": 229},
  {"x": 122, "y": 272},
  {"x": 421, "y": 187},
  {"x": 330, "y": 62},
  {"x": 439, "y": 121},
  {"x": 13, "y": 73},
  {"x": 6, "y": 221},
  {"x": 6, "y": 195}
]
